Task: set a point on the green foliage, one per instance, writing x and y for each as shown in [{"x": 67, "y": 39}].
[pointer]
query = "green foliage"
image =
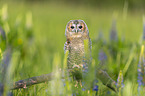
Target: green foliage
[{"x": 37, "y": 37}]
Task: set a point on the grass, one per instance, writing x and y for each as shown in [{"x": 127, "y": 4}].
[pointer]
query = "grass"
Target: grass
[{"x": 39, "y": 49}]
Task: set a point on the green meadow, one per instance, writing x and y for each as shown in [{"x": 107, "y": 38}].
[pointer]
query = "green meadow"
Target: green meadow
[{"x": 35, "y": 37}]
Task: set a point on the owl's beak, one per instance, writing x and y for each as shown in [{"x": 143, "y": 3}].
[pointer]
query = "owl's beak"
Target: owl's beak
[{"x": 76, "y": 31}]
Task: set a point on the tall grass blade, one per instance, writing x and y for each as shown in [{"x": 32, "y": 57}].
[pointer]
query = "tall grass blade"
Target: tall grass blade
[{"x": 131, "y": 56}]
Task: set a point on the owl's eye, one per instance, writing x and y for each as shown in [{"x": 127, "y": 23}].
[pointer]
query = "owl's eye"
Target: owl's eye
[
  {"x": 80, "y": 27},
  {"x": 72, "y": 27}
]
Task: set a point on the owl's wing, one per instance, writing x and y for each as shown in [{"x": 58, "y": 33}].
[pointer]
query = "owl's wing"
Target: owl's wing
[{"x": 66, "y": 46}]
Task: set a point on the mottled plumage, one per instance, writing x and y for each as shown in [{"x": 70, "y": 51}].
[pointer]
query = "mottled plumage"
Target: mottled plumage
[{"x": 76, "y": 32}]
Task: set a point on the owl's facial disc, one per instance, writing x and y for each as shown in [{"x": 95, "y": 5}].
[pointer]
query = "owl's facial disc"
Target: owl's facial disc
[{"x": 76, "y": 27}]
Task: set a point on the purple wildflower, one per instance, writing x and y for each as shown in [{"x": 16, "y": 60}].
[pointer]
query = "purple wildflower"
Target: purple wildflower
[
  {"x": 83, "y": 85},
  {"x": 95, "y": 88},
  {"x": 85, "y": 65},
  {"x": 5, "y": 63},
  {"x": 102, "y": 55},
  {"x": 140, "y": 75},
  {"x": 141, "y": 72},
  {"x": 10, "y": 94},
  {"x": 83, "y": 89},
  {"x": 1, "y": 89},
  {"x": 2, "y": 33},
  {"x": 73, "y": 94}
]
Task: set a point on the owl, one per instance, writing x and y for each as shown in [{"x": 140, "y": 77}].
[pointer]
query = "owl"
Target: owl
[{"x": 76, "y": 32}]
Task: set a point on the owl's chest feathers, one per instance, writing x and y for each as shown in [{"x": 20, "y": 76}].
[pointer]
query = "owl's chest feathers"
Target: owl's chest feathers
[{"x": 77, "y": 45}]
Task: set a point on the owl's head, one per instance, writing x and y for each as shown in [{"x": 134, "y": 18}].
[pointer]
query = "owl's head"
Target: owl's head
[{"x": 76, "y": 28}]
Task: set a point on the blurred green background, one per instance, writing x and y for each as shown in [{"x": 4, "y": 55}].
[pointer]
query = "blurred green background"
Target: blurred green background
[
  {"x": 49, "y": 19},
  {"x": 51, "y": 16}
]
